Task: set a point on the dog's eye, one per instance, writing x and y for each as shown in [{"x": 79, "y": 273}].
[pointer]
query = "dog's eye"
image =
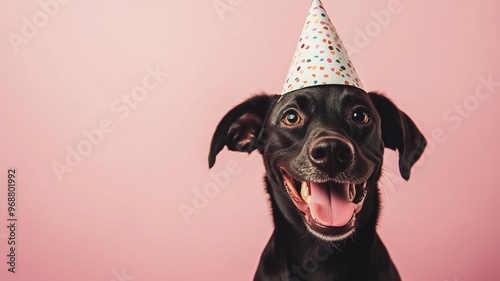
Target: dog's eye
[
  {"x": 361, "y": 116},
  {"x": 291, "y": 118}
]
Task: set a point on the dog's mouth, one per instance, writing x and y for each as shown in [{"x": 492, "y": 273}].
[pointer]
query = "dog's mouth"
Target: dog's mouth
[{"x": 329, "y": 207}]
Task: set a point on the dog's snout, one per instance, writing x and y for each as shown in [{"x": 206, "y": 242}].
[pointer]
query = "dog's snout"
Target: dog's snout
[{"x": 331, "y": 154}]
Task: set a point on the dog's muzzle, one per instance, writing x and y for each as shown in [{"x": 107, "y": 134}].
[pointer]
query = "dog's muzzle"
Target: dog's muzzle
[{"x": 329, "y": 205}]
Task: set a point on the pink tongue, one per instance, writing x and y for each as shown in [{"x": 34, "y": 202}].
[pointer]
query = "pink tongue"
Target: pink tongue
[{"x": 330, "y": 204}]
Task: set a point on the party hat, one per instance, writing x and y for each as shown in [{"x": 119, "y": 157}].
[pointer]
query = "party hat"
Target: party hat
[{"x": 320, "y": 57}]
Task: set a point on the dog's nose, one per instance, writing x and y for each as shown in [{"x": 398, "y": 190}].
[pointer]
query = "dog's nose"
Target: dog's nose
[{"x": 331, "y": 154}]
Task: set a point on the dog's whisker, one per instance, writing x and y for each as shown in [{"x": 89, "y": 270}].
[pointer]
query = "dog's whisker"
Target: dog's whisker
[
  {"x": 385, "y": 189},
  {"x": 352, "y": 237},
  {"x": 383, "y": 181},
  {"x": 335, "y": 246},
  {"x": 390, "y": 169}
]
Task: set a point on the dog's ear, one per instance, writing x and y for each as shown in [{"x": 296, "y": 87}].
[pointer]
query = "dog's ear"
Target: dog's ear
[
  {"x": 241, "y": 127},
  {"x": 399, "y": 132}
]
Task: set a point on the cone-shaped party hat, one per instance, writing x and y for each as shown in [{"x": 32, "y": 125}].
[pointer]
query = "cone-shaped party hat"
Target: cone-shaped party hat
[{"x": 320, "y": 58}]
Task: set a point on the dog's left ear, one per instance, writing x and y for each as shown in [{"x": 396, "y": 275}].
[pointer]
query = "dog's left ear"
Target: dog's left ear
[
  {"x": 399, "y": 132},
  {"x": 241, "y": 127}
]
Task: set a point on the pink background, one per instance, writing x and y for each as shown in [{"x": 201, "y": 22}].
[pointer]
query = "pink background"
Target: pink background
[{"x": 117, "y": 211}]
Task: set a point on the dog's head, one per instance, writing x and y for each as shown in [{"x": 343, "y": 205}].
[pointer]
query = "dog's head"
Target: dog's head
[{"x": 323, "y": 148}]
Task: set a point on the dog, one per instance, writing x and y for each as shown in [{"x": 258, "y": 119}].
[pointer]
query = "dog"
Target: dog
[{"x": 322, "y": 148}]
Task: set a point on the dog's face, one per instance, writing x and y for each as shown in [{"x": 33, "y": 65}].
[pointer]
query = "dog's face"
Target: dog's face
[
  {"x": 323, "y": 149},
  {"x": 324, "y": 143}
]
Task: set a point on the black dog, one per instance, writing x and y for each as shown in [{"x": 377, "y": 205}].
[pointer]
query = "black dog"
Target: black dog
[{"x": 322, "y": 148}]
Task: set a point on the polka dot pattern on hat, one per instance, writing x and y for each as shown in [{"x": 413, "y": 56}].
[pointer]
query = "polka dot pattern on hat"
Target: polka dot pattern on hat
[{"x": 320, "y": 57}]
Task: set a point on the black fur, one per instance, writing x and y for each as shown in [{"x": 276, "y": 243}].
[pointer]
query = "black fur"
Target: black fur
[{"x": 327, "y": 125}]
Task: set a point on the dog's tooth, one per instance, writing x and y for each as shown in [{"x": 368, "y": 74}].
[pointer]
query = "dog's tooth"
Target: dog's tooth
[
  {"x": 304, "y": 192},
  {"x": 312, "y": 215},
  {"x": 352, "y": 191}
]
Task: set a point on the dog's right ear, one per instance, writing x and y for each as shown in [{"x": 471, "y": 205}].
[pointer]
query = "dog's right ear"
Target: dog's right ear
[{"x": 240, "y": 129}]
